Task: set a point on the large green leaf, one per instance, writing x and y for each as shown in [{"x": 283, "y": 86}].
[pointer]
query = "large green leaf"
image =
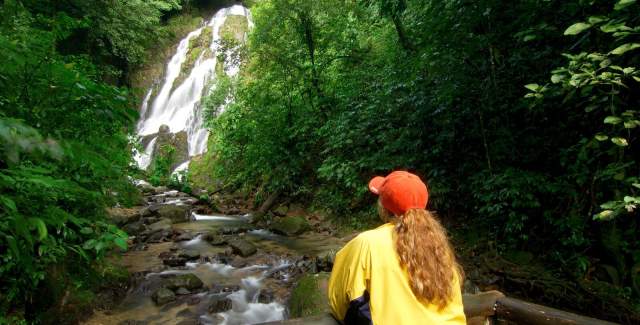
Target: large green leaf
[
  {"x": 40, "y": 226},
  {"x": 612, "y": 120},
  {"x": 577, "y": 28},
  {"x": 622, "y": 49},
  {"x": 623, "y": 4}
]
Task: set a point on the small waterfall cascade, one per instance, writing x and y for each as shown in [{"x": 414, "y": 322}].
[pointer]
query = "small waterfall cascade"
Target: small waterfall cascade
[{"x": 177, "y": 103}]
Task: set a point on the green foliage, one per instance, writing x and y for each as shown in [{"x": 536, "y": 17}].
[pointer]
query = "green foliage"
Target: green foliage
[
  {"x": 64, "y": 145},
  {"x": 600, "y": 81},
  {"x": 334, "y": 93},
  {"x": 181, "y": 181},
  {"x": 160, "y": 170}
]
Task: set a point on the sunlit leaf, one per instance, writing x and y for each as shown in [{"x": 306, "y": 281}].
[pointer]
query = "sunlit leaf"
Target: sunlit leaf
[
  {"x": 622, "y": 142},
  {"x": 576, "y": 28},
  {"x": 623, "y": 4},
  {"x": 601, "y": 137},
  {"x": 604, "y": 215},
  {"x": 612, "y": 120},
  {"x": 625, "y": 48}
]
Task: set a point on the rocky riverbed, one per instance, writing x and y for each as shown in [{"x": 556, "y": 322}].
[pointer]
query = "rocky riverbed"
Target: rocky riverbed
[{"x": 189, "y": 265}]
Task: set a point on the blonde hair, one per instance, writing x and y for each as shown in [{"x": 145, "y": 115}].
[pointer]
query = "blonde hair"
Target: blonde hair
[{"x": 427, "y": 255}]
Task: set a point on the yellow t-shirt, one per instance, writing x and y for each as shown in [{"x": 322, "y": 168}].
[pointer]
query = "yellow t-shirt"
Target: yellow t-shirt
[{"x": 369, "y": 263}]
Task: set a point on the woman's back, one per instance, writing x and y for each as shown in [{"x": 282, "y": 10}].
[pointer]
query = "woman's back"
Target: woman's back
[{"x": 368, "y": 279}]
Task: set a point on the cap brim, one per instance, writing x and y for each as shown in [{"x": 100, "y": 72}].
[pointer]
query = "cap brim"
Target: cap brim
[{"x": 375, "y": 184}]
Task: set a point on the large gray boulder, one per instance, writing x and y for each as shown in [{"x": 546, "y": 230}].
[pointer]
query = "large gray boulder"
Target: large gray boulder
[
  {"x": 175, "y": 213},
  {"x": 242, "y": 247},
  {"x": 122, "y": 216},
  {"x": 188, "y": 281},
  {"x": 162, "y": 225},
  {"x": 163, "y": 296},
  {"x": 290, "y": 226}
]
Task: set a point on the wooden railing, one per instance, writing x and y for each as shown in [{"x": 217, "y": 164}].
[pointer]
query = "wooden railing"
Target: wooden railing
[{"x": 489, "y": 308}]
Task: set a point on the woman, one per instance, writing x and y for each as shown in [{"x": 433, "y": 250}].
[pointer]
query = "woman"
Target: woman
[{"x": 403, "y": 272}]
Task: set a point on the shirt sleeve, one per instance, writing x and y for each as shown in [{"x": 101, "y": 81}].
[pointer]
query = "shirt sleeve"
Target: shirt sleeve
[{"x": 350, "y": 276}]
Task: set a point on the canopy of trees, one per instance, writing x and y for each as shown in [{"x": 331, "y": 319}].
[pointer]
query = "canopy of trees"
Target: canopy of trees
[{"x": 521, "y": 115}]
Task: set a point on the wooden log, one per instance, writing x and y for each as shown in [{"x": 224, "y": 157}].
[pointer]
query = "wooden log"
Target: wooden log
[
  {"x": 271, "y": 199},
  {"x": 481, "y": 304},
  {"x": 525, "y": 313}
]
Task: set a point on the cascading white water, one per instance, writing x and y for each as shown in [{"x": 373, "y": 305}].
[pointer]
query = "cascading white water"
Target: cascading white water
[
  {"x": 179, "y": 106},
  {"x": 143, "y": 159}
]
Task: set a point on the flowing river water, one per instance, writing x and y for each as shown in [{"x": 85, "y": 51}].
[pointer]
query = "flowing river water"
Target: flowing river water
[{"x": 233, "y": 289}]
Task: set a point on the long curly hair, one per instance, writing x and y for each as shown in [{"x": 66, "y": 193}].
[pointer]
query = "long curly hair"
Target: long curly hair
[{"x": 427, "y": 255}]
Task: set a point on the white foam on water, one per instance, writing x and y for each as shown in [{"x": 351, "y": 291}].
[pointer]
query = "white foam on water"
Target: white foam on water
[
  {"x": 143, "y": 159},
  {"x": 245, "y": 308},
  {"x": 201, "y": 217},
  {"x": 222, "y": 269},
  {"x": 195, "y": 241}
]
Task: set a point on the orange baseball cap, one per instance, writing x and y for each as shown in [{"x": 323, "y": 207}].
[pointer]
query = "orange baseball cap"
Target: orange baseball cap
[{"x": 400, "y": 191}]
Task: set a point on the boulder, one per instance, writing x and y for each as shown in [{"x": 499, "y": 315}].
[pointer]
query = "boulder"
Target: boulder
[
  {"x": 122, "y": 216},
  {"x": 175, "y": 213},
  {"x": 214, "y": 239},
  {"x": 178, "y": 141},
  {"x": 281, "y": 210},
  {"x": 182, "y": 291},
  {"x": 308, "y": 297},
  {"x": 162, "y": 225},
  {"x": 159, "y": 236},
  {"x": 220, "y": 305},
  {"x": 324, "y": 262},
  {"x": 184, "y": 237},
  {"x": 133, "y": 228},
  {"x": 290, "y": 226},
  {"x": 163, "y": 296},
  {"x": 233, "y": 230},
  {"x": 145, "y": 187},
  {"x": 160, "y": 189},
  {"x": 188, "y": 281},
  {"x": 242, "y": 247},
  {"x": 189, "y": 255},
  {"x": 266, "y": 296},
  {"x": 174, "y": 261}
]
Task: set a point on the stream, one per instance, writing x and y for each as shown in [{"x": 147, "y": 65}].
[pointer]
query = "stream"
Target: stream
[{"x": 209, "y": 268}]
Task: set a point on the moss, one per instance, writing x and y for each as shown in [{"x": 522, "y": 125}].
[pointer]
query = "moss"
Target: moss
[
  {"x": 309, "y": 298},
  {"x": 197, "y": 46},
  {"x": 235, "y": 27},
  {"x": 201, "y": 173},
  {"x": 290, "y": 226}
]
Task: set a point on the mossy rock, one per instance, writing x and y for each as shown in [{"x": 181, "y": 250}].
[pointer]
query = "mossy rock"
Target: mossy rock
[
  {"x": 309, "y": 296},
  {"x": 197, "y": 46},
  {"x": 163, "y": 296},
  {"x": 201, "y": 170},
  {"x": 175, "y": 213},
  {"x": 234, "y": 27},
  {"x": 188, "y": 281},
  {"x": 290, "y": 226}
]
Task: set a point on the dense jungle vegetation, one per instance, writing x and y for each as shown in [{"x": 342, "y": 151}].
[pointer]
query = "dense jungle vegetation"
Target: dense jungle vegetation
[
  {"x": 522, "y": 116},
  {"x": 66, "y": 113}
]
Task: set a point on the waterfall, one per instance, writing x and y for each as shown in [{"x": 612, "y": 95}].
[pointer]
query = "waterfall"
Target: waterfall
[{"x": 178, "y": 106}]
